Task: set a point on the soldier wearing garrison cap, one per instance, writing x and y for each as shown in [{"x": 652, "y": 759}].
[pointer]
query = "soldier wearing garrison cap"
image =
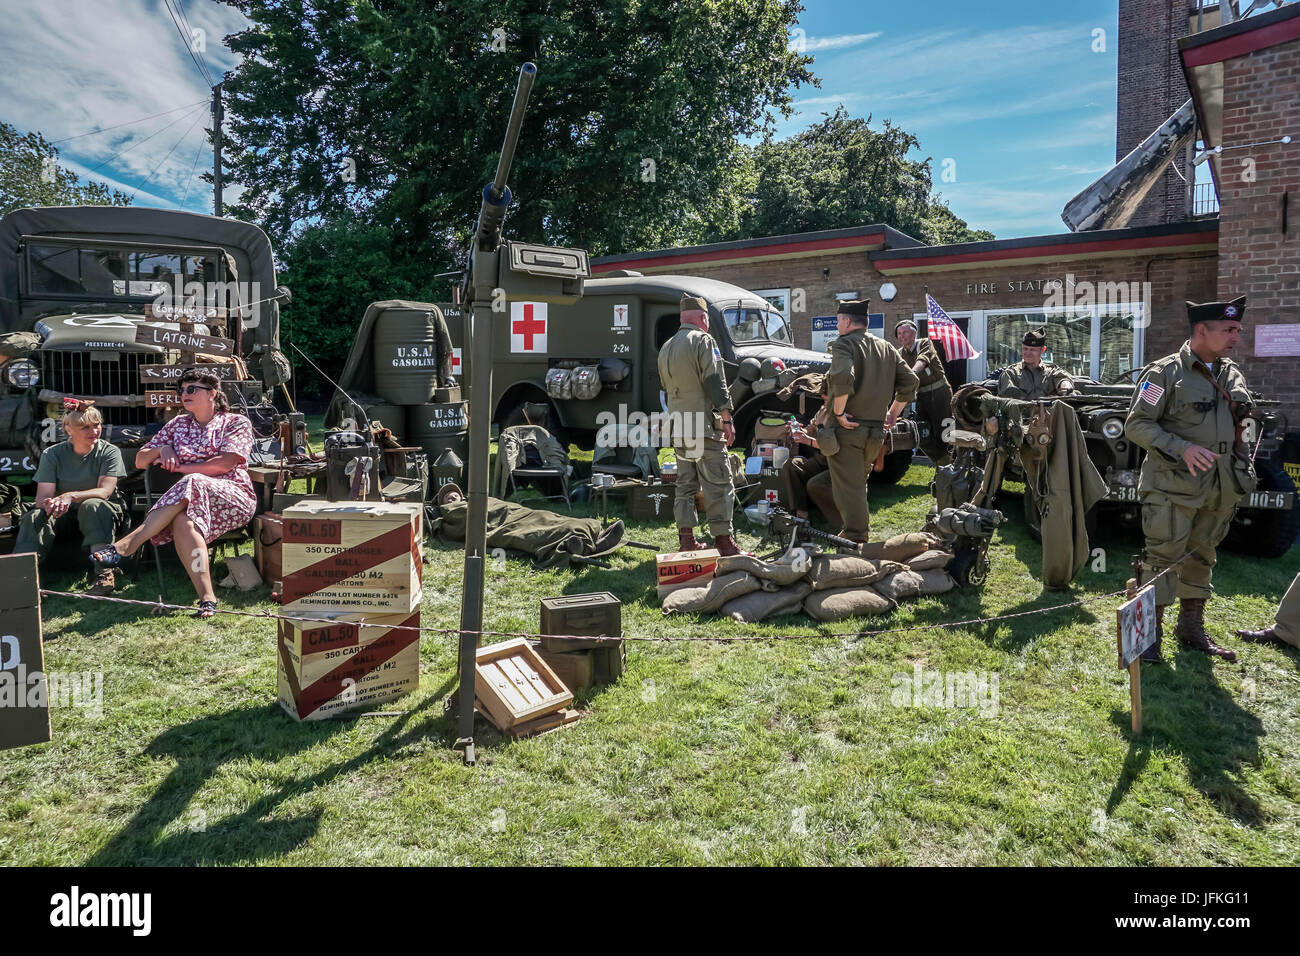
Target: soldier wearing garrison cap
[
  {"x": 699, "y": 408},
  {"x": 1031, "y": 378},
  {"x": 934, "y": 396},
  {"x": 1188, "y": 413},
  {"x": 868, "y": 384}
]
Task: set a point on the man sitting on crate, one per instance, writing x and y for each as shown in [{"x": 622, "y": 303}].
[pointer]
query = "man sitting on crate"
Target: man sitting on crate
[
  {"x": 76, "y": 492},
  {"x": 552, "y": 539}
]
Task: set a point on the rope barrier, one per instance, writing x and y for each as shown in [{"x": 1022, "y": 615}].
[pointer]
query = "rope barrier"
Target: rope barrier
[{"x": 676, "y": 638}]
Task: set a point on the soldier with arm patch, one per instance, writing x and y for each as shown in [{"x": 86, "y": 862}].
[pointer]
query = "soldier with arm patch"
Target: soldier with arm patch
[
  {"x": 934, "y": 396},
  {"x": 1031, "y": 378},
  {"x": 1185, "y": 413},
  {"x": 699, "y": 411},
  {"x": 868, "y": 384}
]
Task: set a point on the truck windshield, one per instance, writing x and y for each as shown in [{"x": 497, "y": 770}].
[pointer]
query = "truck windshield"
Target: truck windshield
[{"x": 756, "y": 325}]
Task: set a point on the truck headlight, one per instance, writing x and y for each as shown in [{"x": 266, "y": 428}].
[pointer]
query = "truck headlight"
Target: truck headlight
[
  {"x": 1113, "y": 428},
  {"x": 23, "y": 373},
  {"x": 1129, "y": 479}
]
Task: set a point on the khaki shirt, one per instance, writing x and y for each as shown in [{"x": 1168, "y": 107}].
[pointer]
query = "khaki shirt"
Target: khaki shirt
[
  {"x": 694, "y": 381},
  {"x": 872, "y": 373},
  {"x": 1030, "y": 384},
  {"x": 924, "y": 350},
  {"x": 1176, "y": 406}
]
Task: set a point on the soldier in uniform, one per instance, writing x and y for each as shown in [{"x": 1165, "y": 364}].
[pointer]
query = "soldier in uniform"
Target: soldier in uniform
[
  {"x": 866, "y": 375},
  {"x": 699, "y": 408},
  {"x": 1286, "y": 627},
  {"x": 1185, "y": 413},
  {"x": 1031, "y": 378},
  {"x": 934, "y": 397}
]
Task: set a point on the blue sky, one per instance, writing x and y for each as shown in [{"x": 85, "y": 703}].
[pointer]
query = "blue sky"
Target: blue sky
[{"x": 1010, "y": 90}]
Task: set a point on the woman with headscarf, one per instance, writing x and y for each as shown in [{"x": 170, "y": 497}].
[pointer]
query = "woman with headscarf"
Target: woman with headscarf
[{"x": 209, "y": 447}]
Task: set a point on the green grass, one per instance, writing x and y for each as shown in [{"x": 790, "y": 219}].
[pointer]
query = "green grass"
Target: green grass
[{"x": 774, "y": 752}]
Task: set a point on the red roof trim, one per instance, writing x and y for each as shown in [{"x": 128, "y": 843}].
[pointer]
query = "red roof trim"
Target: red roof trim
[
  {"x": 1242, "y": 43},
  {"x": 747, "y": 252},
  {"x": 1059, "y": 249}
]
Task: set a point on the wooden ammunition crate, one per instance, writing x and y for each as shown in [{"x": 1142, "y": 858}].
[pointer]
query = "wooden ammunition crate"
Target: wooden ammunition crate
[
  {"x": 25, "y": 715},
  {"x": 514, "y": 685},
  {"x": 651, "y": 502},
  {"x": 362, "y": 556},
  {"x": 580, "y": 614},
  {"x": 684, "y": 569},
  {"x": 588, "y": 668},
  {"x": 327, "y": 668}
]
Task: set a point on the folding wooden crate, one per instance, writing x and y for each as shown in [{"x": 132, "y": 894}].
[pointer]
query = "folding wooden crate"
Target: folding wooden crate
[{"x": 515, "y": 685}]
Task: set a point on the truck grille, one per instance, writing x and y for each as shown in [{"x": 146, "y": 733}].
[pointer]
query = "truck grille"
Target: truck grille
[{"x": 74, "y": 373}]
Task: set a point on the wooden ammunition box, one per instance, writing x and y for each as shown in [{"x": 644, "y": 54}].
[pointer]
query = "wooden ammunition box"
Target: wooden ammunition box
[
  {"x": 651, "y": 502},
  {"x": 25, "y": 713},
  {"x": 352, "y": 556},
  {"x": 684, "y": 569},
  {"x": 514, "y": 685},
  {"x": 591, "y": 615}
]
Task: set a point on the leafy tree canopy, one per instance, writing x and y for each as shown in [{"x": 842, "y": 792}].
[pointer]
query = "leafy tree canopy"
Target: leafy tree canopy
[{"x": 30, "y": 175}]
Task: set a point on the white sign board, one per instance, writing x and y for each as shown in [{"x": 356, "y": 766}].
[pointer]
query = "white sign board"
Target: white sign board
[
  {"x": 1274, "y": 340},
  {"x": 1137, "y": 626}
]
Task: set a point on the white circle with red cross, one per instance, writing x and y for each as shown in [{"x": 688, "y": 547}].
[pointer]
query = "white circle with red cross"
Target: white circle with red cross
[{"x": 528, "y": 327}]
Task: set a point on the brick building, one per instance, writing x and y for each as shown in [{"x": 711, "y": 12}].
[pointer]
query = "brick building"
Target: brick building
[{"x": 1112, "y": 299}]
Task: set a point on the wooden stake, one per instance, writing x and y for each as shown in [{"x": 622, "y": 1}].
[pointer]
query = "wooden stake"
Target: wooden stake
[{"x": 1134, "y": 669}]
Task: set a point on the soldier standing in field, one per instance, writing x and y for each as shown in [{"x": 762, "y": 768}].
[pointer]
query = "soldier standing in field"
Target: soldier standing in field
[
  {"x": 1031, "y": 378},
  {"x": 867, "y": 374},
  {"x": 1186, "y": 414},
  {"x": 934, "y": 397},
  {"x": 699, "y": 409}
]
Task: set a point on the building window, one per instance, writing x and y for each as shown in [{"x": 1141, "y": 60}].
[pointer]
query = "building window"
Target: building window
[{"x": 780, "y": 299}]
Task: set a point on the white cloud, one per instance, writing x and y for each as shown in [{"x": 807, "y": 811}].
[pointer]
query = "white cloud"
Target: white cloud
[
  {"x": 1074, "y": 169},
  {"x": 839, "y": 41}
]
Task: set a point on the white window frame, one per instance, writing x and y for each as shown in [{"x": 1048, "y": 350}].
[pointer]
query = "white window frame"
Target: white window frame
[{"x": 784, "y": 293}]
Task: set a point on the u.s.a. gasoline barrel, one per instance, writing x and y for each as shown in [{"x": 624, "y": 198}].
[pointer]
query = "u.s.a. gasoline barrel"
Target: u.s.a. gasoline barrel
[
  {"x": 439, "y": 426},
  {"x": 406, "y": 355}
]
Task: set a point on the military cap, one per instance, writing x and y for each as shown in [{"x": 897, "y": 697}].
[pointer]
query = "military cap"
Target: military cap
[
  {"x": 690, "y": 302},
  {"x": 905, "y": 324},
  {"x": 1214, "y": 311},
  {"x": 449, "y": 488},
  {"x": 1035, "y": 338},
  {"x": 859, "y": 307}
]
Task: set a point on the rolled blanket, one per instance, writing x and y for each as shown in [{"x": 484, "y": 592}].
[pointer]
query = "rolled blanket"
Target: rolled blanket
[
  {"x": 847, "y": 570},
  {"x": 839, "y": 603},
  {"x": 708, "y": 599},
  {"x": 900, "y": 547},
  {"x": 780, "y": 572},
  {"x": 763, "y": 604}
]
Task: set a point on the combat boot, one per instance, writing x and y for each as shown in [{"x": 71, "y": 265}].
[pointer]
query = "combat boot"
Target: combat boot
[
  {"x": 726, "y": 547},
  {"x": 686, "y": 540},
  {"x": 1266, "y": 636},
  {"x": 105, "y": 583},
  {"x": 1191, "y": 630},
  {"x": 1152, "y": 654}
]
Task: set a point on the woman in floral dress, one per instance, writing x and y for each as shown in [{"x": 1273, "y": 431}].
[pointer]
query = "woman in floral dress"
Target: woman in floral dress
[{"x": 209, "y": 447}]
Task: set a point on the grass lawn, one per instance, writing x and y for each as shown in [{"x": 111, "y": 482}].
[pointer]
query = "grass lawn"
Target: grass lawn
[{"x": 771, "y": 752}]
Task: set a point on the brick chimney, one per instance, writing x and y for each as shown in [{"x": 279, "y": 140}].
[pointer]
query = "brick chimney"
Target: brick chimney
[{"x": 1151, "y": 88}]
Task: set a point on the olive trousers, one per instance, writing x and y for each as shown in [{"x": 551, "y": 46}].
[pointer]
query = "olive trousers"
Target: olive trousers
[
  {"x": 710, "y": 474},
  {"x": 809, "y": 479},
  {"x": 850, "y": 468},
  {"x": 1288, "y": 615},
  {"x": 96, "y": 519},
  {"x": 1172, "y": 529}
]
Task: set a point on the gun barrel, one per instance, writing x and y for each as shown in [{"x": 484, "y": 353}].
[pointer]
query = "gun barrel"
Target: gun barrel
[{"x": 496, "y": 195}]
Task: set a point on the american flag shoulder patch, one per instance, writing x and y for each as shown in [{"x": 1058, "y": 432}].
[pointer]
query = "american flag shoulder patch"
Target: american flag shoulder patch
[{"x": 1151, "y": 392}]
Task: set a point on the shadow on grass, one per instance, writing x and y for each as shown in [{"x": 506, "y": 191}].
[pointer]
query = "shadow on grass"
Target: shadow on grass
[
  {"x": 1184, "y": 708},
  {"x": 202, "y": 746}
]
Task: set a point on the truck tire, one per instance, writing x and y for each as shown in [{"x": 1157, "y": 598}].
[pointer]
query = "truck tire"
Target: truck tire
[
  {"x": 895, "y": 467},
  {"x": 1265, "y": 533}
]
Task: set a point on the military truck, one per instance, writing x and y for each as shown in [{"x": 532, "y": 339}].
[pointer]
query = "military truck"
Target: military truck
[
  {"x": 1267, "y": 520},
  {"x": 112, "y": 303},
  {"x": 619, "y": 326}
]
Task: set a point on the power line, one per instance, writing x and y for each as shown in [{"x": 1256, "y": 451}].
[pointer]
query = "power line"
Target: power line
[
  {"x": 168, "y": 156},
  {"x": 55, "y": 142},
  {"x": 190, "y": 182},
  {"x": 185, "y": 41},
  {"x": 143, "y": 141},
  {"x": 180, "y": 8}
]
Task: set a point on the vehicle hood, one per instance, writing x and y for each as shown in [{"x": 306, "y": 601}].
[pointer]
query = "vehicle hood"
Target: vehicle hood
[
  {"x": 786, "y": 353},
  {"x": 103, "y": 331}
]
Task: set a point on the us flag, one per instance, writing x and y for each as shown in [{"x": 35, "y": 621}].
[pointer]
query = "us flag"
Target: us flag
[{"x": 955, "y": 344}]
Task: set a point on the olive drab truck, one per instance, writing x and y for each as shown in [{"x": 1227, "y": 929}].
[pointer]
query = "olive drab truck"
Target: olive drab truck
[{"x": 112, "y": 304}]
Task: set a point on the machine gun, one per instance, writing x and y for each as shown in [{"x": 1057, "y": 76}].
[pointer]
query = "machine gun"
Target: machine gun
[
  {"x": 789, "y": 531},
  {"x": 967, "y": 531}
]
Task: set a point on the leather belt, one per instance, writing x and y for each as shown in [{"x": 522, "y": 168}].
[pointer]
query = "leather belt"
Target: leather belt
[{"x": 933, "y": 386}]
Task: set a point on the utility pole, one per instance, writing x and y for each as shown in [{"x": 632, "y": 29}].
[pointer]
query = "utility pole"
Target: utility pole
[{"x": 218, "y": 116}]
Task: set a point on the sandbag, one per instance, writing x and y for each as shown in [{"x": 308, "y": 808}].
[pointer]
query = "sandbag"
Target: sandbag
[
  {"x": 901, "y": 585},
  {"x": 900, "y": 547},
  {"x": 763, "y": 604},
  {"x": 847, "y": 570},
  {"x": 779, "y": 572},
  {"x": 930, "y": 559},
  {"x": 19, "y": 345},
  {"x": 936, "y": 581},
  {"x": 840, "y": 603},
  {"x": 708, "y": 599}
]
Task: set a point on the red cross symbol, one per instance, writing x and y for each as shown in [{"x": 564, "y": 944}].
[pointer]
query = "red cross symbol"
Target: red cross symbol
[
  {"x": 770, "y": 495},
  {"x": 455, "y": 361},
  {"x": 528, "y": 327}
]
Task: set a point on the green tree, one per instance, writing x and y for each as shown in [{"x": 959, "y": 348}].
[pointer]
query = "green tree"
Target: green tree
[
  {"x": 30, "y": 175},
  {"x": 841, "y": 172},
  {"x": 395, "y": 109}
]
